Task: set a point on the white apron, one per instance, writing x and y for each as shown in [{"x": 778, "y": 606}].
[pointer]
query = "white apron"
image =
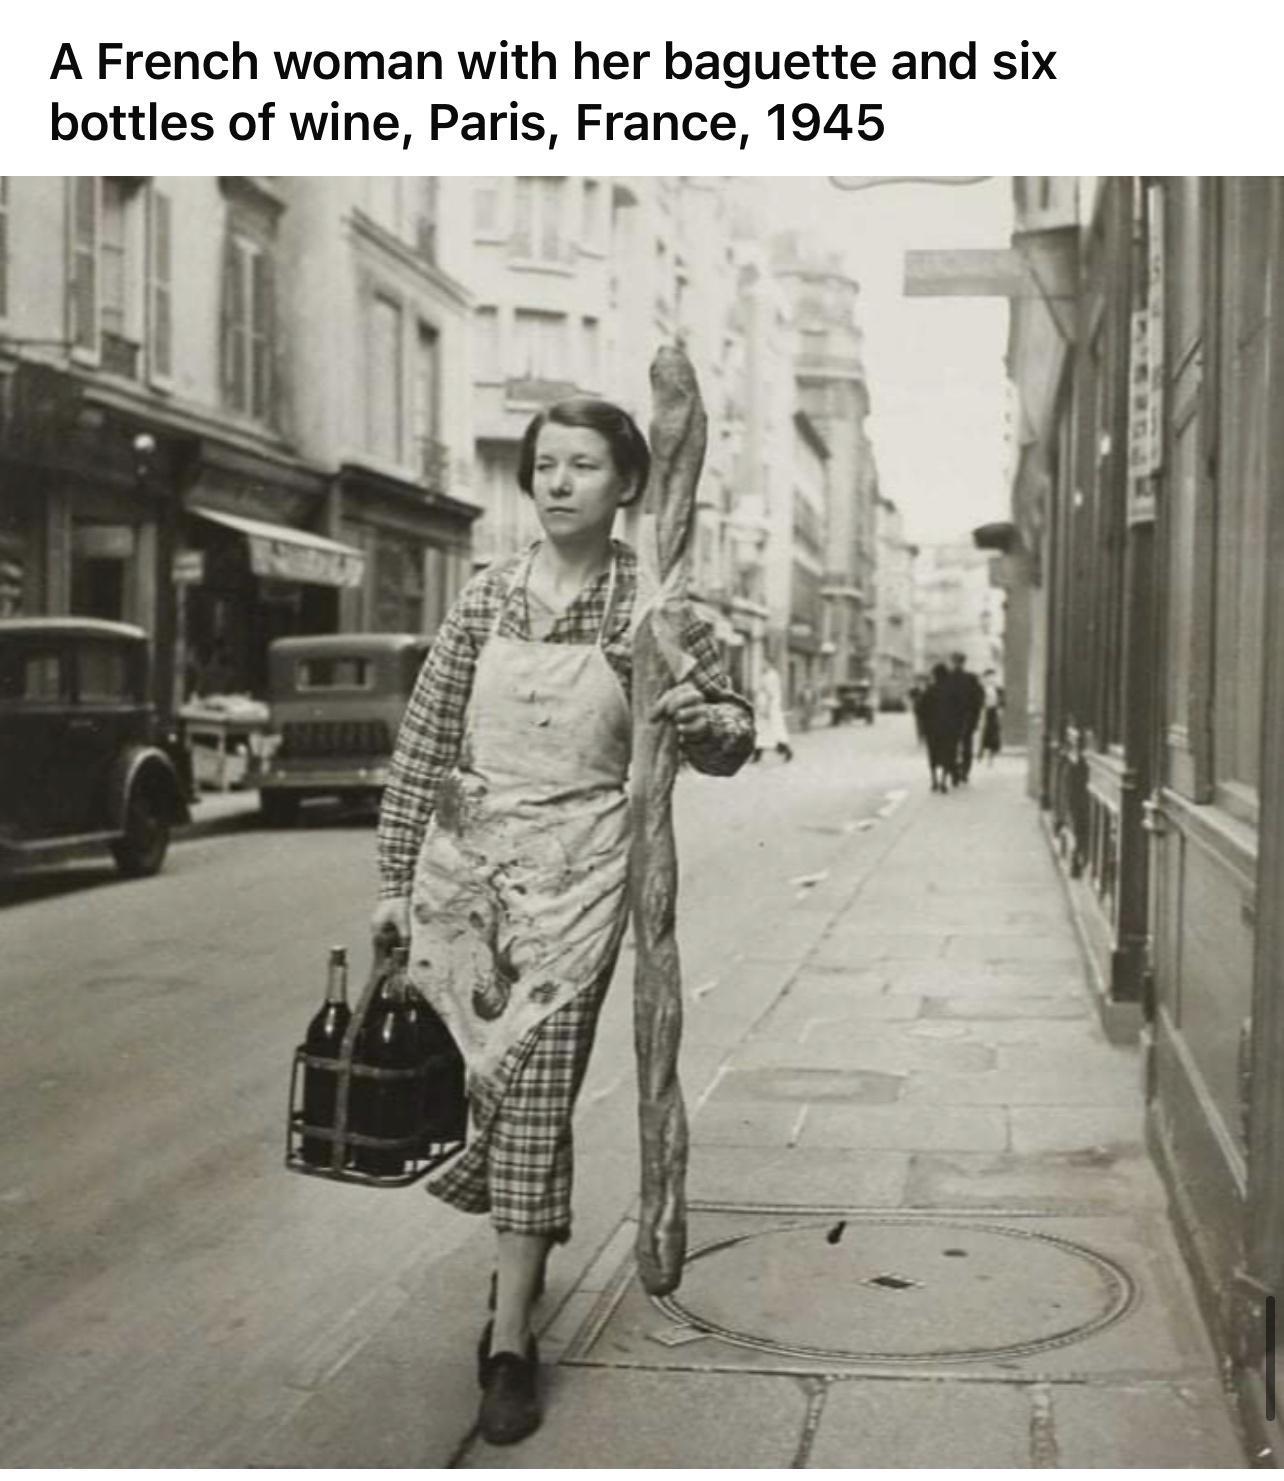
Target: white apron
[{"x": 520, "y": 896}]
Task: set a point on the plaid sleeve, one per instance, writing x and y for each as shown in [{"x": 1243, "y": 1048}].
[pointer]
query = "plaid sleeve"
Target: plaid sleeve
[
  {"x": 431, "y": 730},
  {"x": 730, "y": 739}
]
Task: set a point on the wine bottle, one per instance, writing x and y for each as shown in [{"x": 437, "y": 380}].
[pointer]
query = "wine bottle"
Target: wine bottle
[
  {"x": 444, "y": 1107},
  {"x": 324, "y": 1039},
  {"x": 388, "y": 1108}
]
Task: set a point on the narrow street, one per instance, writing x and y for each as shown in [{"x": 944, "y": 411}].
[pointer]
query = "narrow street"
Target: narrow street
[{"x": 172, "y": 1295}]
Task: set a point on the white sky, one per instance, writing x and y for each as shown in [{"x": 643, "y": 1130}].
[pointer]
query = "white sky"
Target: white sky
[{"x": 935, "y": 365}]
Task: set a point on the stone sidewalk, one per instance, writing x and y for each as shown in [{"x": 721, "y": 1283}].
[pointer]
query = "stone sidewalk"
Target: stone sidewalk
[{"x": 924, "y": 1229}]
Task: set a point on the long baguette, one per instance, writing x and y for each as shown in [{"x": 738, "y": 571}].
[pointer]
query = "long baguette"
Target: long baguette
[{"x": 678, "y": 436}]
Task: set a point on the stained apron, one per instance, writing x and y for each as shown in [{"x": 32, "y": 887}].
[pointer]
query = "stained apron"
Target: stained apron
[{"x": 519, "y": 899}]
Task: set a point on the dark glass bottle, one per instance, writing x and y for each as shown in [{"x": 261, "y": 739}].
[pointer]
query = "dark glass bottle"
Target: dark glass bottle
[
  {"x": 324, "y": 1039},
  {"x": 387, "y": 1108},
  {"x": 443, "y": 1104}
]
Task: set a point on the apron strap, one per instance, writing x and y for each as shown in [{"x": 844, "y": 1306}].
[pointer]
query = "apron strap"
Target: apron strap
[{"x": 610, "y": 598}]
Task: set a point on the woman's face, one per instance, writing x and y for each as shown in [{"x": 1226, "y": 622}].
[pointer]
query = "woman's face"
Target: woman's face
[{"x": 575, "y": 483}]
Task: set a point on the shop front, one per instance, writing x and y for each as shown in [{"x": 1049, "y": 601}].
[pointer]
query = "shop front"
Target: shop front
[
  {"x": 242, "y": 583},
  {"x": 416, "y": 547},
  {"x": 84, "y": 504}
]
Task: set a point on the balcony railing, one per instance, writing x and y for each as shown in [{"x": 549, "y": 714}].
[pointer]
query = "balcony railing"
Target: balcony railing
[{"x": 434, "y": 464}]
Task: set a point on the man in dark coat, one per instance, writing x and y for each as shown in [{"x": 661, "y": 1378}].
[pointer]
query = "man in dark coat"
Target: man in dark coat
[
  {"x": 934, "y": 712},
  {"x": 965, "y": 700}
]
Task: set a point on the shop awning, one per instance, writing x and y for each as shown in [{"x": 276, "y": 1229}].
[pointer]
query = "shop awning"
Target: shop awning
[{"x": 292, "y": 555}]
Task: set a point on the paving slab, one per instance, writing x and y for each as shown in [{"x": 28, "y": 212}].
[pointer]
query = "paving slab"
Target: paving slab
[
  {"x": 905, "y": 1128},
  {"x": 807, "y": 1084},
  {"x": 1180, "y": 1426},
  {"x": 1072, "y": 1085},
  {"x": 600, "y": 1417},
  {"x": 739, "y": 1125},
  {"x": 995, "y": 979},
  {"x": 798, "y": 1175},
  {"x": 836, "y": 1043},
  {"x": 902, "y": 1424},
  {"x": 975, "y": 1007},
  {"x": 1100, "y": 1176},
  {"x": 1045, "y": 947},
  {"x": 860, "y": 948},
  {"x": 1062, "y": 1129}
]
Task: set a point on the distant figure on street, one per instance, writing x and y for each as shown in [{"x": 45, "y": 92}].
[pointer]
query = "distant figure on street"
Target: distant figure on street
[
  {"x": 991, "y": 730},
  {"x": 769, "y": 713},
  {"x": 935, "y": 716},
  {"x": 966, "y": 702},
  {"x": 914, "y": 695}
]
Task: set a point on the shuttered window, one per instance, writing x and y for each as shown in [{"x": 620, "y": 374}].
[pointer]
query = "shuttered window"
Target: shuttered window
[
  {"x": 425, "y": 226},
  {"x": 384, "y": 381},
  {"x": 82, "y": 295},
  {"x": 162, "y": 280},
  {"x": 249, "y": 318}
]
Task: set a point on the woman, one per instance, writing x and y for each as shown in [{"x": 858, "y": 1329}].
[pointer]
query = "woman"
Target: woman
[
  {"x": 991, "y": 729},
  {"x": 503, "y": 845},
  {"x": 769, "y": 705}
]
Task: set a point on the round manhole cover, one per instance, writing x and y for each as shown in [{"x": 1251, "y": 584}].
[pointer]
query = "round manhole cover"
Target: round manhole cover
[{"x": 899, "y": 1290}]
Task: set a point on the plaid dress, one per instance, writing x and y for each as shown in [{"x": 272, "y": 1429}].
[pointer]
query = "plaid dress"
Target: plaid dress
[{"x": 518, "y": 1164}]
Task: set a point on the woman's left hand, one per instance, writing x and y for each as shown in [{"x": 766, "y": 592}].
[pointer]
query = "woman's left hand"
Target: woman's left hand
[{"x": 686, "y": 707}]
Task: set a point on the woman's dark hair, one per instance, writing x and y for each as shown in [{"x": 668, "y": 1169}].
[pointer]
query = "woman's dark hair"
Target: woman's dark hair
[{"x": 629, "y": 452}]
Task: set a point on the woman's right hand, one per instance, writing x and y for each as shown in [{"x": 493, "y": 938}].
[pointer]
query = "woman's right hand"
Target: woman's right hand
[{"x": 392, "y": 917}]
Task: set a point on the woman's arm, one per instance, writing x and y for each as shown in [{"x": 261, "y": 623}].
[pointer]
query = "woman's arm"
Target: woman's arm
[
  {"x": 728, "y": 738},
  {"x": 428, "y": 742}
]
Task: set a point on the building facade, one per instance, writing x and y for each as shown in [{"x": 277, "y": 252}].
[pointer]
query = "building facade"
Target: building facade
[
  {"x": 1149, "y": 502},
  {"x": 178, "y": 445},
  {"x": 956, "y": 608},
  {"x": 894, "y": 665},
  {"x": 833, "y": 394}
]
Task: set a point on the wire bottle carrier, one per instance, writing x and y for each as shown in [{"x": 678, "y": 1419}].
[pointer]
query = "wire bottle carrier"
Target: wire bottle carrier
[{"x": 428, "y": 1094}]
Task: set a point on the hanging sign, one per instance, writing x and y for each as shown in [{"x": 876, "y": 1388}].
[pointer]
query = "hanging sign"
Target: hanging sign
[
  {"x": 1146, "y": 374},
  {"x": 189, "y": 567}
]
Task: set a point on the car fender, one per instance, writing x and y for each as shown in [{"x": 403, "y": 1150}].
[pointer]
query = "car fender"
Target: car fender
[{"x": 146, "y": 766}]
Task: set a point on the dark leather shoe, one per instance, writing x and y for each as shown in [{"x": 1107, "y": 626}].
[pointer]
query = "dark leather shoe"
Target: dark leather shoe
[{"x": 510, "y": 1408}]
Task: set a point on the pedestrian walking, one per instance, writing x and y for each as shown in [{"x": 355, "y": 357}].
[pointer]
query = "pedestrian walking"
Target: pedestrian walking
[
  {"x": 936, "y": 717},
  {"x": 503, "y": 846},
  {"x": 769, "y": 715},
  {"x": 991, "y": 727},
  {"x": 966, "y": 700}
]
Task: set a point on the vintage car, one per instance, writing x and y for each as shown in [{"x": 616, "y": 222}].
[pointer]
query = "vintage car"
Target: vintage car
[
  {"x": 854, "y": 701},
  {"x": 335, "y": 703},
  {"x": 84, "y": 759}
]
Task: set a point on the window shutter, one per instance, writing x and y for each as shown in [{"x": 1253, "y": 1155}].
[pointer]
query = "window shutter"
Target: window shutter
[
  {"x": 162, "y": 285},
  {"x": 83, "y": 252},
  {"x": 232, "y": 339},
  {"x": 262, "y": 336},
  {"x": 426, "y": 220}
]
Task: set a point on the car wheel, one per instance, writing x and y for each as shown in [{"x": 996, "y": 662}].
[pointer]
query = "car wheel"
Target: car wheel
[
  {"x": 279, "y": 809},
  {"x": 142, "y": 849}
]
